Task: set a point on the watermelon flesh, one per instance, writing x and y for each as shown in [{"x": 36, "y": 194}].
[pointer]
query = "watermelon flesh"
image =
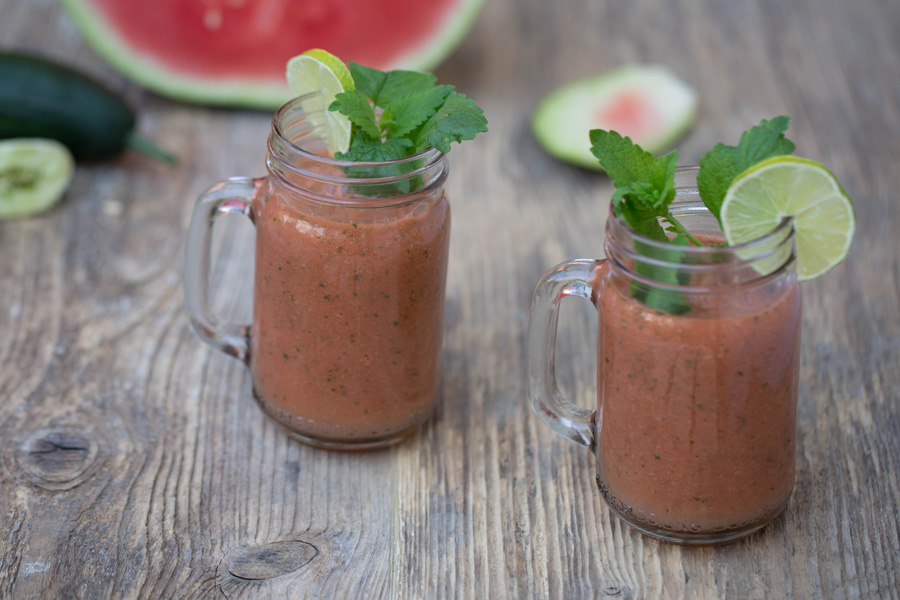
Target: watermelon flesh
[
  {"x": 215, "y": 51},
  {"x": 631, "y": 115},
  {"x": 644, "y": 102}
]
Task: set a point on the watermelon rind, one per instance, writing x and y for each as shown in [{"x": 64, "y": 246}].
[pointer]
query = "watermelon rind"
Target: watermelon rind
[
  {"x": 237, "y": 91},
  {"x": 563, "y": 118},
  {"x": 440, "y": 46}
]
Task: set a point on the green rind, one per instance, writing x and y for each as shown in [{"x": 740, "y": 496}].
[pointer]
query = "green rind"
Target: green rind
[
  {"x": 546, "y": 117},
  {"x": 239, "y": 92},
  {"x": 445, "y": 42}
]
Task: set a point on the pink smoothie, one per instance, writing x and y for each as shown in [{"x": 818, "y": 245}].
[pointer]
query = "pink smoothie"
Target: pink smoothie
[
  {"x": 697, "y": 412},
  {"x": 348, "y": 316}
]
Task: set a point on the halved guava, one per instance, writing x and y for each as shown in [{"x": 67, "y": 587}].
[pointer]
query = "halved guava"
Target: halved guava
[
  {"x": 646, "y": 103},
  {"x": 233, "y": 52}
]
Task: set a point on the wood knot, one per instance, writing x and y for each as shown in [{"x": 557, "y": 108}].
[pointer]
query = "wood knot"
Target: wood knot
[
  {"x": 269, "y": 560},
  {"x": 58, "y": 458}
]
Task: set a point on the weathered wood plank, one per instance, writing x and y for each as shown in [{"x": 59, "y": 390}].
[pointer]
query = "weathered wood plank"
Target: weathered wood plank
[{"x": 134, "y": 462}]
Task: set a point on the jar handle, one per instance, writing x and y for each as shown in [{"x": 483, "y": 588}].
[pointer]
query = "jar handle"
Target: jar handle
[
  {"x": 571, "y": 278},
  {"x": 232, "y": 196}
]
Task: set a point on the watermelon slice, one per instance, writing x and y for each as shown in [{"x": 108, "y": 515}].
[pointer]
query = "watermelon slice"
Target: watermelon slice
[
  {"x": 646, "y": 103},
  {"x": 233, "y": 52}
]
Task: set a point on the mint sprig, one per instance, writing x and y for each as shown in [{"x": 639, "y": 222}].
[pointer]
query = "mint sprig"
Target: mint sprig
[
  {"x": 658, "y": 298},
  {"x": 415, "y": 114},
  {"x": 722, "y": 164},
  {"x": 456, "y": 120},
  {"x": 406, "y": 113},
  {"x": 382, "y": 88},
  {"x": 645, "y": 186},
  {"x": 356, "y": 107}
]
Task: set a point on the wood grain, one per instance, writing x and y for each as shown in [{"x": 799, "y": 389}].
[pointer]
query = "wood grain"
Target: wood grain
[{"x": 135, "y": 464}]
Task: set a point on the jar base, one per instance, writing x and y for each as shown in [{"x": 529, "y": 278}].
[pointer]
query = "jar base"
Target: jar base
[
  {"x": 337, "y": 444},
  {"x": 698, "y": 538},
  {"x": 350, "y": 446}
]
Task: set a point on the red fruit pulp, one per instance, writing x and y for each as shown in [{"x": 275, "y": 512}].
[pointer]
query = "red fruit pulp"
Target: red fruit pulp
[{"x": 253, "y": 39}]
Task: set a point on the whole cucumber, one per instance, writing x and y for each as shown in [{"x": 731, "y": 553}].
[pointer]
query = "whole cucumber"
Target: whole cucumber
[{"x": 40, "y": 98}]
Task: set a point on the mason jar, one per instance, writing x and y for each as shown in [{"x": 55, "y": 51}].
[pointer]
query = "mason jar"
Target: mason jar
[
  {"x": 348, "y": 294},
  {"x": 694, "y": 428}
]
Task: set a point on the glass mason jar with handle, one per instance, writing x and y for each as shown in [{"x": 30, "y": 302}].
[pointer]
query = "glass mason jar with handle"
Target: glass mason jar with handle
[
  {"x": 348, "y": 296},
  {"x": 697, "y": 374}
]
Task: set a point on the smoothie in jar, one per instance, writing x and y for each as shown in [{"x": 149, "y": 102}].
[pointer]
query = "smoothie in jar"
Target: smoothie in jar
[
  {"x": 697, "y": 411},
  {"x": 348, "y": 313},
  {"x": 697, "y": 377},
  {"x": 352, "y": 240},
  {"x": 698, "y": 351}
]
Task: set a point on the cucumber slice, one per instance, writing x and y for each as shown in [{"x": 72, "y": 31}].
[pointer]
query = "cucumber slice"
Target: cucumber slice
[
  {"x": 646, "y": 103},
  {"x": 34, "y": 174}
]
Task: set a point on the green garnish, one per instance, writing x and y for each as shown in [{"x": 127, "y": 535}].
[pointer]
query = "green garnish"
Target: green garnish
[
  {"x": 657, "y": 298},
  {"x": 723, "y": 163},
  {"x": 416, "y": 114},
  {"x": 645, "y": 186}
]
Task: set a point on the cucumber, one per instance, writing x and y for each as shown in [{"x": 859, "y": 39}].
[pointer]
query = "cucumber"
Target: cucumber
[
  {"x": 43, "y": 99},
  {"x": 34, "y": 175},
  {"x": 646, "y": 103}
]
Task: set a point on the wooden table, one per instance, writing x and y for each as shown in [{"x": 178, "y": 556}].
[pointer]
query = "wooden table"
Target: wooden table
[{"x": 135, "y": 463}]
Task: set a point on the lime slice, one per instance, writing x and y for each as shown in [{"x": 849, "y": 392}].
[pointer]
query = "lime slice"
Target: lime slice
[
  {"x": 34, "y": 174},
  {"x": 318, "y": 71},
  {"x": 788, "y": 186}
]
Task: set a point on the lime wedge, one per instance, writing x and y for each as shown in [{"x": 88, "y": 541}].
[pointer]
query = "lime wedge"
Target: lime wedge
[
  {"x": 34, "y": 174},
  {"x": 319, "y": 72},
  {"x": 788, "y": 186}
]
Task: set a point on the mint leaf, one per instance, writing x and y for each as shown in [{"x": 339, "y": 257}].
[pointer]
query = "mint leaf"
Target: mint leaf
[
  {"x": 662, "y": 176},
  {"x": 722, "y": 164},
  {"x": 406, "y": 113},
  {"x": 397, "y": 115},
  {"x": 642, "y": 194},
  {"x": 645, "y": 185},
  {"x": 658, "y": 298},
  {"x": 383, "y": 88},
  {"x": 644, "y": 222},
  {"x": 681, "y": 239},
  {"x": 375, "y": 151},
  {"x": 623, "y": 160},
  {"x": 665, "y": 301},
  {"x": 403, "y": 83},
  {"x": 367, "y": 81},
  {"x": 356, "y": 107},
  {"x": 456, "y": 120},
  {"x": 654, "y": 195}
]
